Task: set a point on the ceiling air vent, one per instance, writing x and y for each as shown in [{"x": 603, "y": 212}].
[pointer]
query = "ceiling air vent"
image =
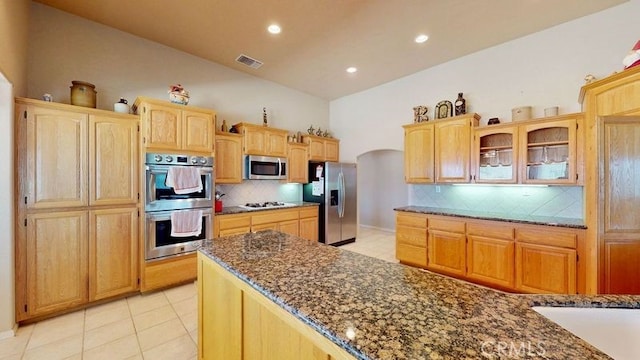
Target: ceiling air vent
[{"x": 250, "y": 62}]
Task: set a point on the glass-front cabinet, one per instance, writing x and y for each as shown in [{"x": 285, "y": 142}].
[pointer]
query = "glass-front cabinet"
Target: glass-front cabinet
[
  {"x": 549, "y": 151},
  {"x": 496, "y": 150}
]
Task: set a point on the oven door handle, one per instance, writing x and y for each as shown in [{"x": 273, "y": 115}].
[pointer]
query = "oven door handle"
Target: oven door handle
[{"x": 151, "y": 194}]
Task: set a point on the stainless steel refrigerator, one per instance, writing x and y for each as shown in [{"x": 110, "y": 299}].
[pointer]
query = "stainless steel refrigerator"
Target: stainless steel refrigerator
[{"x": 333, "y": 186}]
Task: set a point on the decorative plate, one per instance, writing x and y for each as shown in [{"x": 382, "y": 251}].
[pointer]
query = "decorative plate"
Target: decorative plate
[{"x": 444, "y": 109}]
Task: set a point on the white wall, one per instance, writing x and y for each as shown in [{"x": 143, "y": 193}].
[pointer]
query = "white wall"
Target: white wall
[
  {"x": 541, "y": 70},
  {"x": 381, "y": 188},
  {"x": 64, "y": 47},
  {"x": 14, "y": 22}
]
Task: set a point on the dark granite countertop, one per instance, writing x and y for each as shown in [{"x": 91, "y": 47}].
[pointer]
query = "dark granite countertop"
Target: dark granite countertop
[
  {"x": 380, "y": 310},
  {"x": 497, "y": 216},
  {"x": 238, "y": 210}
]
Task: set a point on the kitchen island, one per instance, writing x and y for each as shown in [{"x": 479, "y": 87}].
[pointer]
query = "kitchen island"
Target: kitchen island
[{"x": 269, "y": 294}]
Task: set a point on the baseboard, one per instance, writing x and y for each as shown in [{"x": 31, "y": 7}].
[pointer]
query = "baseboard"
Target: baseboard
[
  {"x": 9, "y": 333},
  {"x": 378, "y": 228}
]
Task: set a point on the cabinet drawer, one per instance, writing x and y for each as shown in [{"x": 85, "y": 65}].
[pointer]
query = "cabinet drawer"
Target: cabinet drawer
[
  {"x": 232, "y": 222},
  {"x": 491, "y": 230},
  {"x": 545, "y": 236},
  {"x": 411, "y": 236},
  {"x": 448, "y": 225},
  {"x": 274, "y": 216},
  {"x": 410, "y": 219},
  {"x": 310, "y": 212},
  {"x": 413, "y": 255}
]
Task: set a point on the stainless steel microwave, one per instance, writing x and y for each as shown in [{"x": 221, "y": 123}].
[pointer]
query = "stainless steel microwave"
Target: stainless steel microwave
[{"x": 264, "y": 167}]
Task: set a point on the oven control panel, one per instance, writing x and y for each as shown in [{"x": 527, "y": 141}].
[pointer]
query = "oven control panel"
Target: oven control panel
[{"x": 175, "y": 159}]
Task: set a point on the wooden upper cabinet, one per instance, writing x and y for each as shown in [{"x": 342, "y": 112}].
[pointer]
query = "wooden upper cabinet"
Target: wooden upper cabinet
[
  {"x": 56, "y": 257},
  {"x": 548, "y": 151},
  {"x": 322, "y": 148},
  {"x": 56, "y": 157},
  {"x": 113, "y": 252},
  {"x": 113, "y": 154},
  {"x": 453, "y": 140},
  {"x": 228, "y": 158},
  {"x": 419, "y": 153},
  {"x": 197, "y": 128},
  {"x": 496, "y": 154},
  {"x": 169, "y": 126},
  {"x": 262, "y": 140},
  {"x": 298, "y": 171}
]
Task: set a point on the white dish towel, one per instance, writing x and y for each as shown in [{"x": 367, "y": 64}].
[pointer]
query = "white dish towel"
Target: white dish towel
[
  {"x": 186, "y": 223},
  {"x": 184, "y": 179}
]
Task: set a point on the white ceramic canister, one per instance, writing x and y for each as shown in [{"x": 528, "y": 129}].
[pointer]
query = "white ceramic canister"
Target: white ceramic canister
[
  {"x": 551, "y": 111},
  {"x": 521, "y": 113},
  {"x": 121, "y": 106}
]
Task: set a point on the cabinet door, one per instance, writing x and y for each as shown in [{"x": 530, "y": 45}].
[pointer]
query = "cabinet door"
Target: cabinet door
[
  {"x": 113, "y": 252},
  {"x": 276, "y": 143},
  {"x": 545, "y": 269},
  {"x": 254, "y": 141},
  {"x": 418, "y": 153},
  {"x": 447, "y": 252},
  {"x": 163, "y": 127},
  {"x": 228, "y": 159},
  {"x": 452, "y": 151},
  {"x": 309, "y": 228},
  {"x": 268, "y": 336},
  {"x": 548, "y": 152},
  {"x": 197, "y": 130},
  {"x": 113, "y": 159},
  {"x": 332, "y": 150},
  {"x": 496, "y": 155},
  {"x": 316, "y": 149},
  {"x": 621, "y": 267},
  {"x": 56, "y": 156},
  {"x": 490, "y": 260},
  {"x": 620, "y": 201},
  {"x": 220, "y": 319},
  {"x": 57, "y": 270},
  {"x": 298, "y": 171},
  {"x": 291, "y": 227}
]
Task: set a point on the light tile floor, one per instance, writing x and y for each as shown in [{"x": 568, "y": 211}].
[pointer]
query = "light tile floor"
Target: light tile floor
[{"x": 157, "y": 326}]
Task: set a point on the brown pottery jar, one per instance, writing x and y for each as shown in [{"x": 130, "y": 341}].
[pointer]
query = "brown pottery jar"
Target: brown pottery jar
[{"x": 83, "y": 94}]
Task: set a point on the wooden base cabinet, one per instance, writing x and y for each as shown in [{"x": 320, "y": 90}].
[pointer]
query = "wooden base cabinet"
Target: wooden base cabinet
[
  {"x": 523, "y": 258},
  {"x": 545, "y": 269},
  {"x": 446, "y": 246},
  {"x": 302, "y": 222},
  {"x": 411, "y": 239},
  {"x": 236, "y": 322},
  {"x": 490, "y": 254}
]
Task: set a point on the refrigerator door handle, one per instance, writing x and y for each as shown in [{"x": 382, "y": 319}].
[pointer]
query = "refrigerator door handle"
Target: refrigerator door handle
[{"x": 341, "y": 196}]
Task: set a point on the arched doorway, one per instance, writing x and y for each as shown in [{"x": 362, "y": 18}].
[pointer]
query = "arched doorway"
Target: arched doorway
[{"x": 381, "y": 188}]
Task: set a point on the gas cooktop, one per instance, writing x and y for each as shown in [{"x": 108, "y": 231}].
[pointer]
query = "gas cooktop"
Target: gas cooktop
[{"x": 266, "y": 205}]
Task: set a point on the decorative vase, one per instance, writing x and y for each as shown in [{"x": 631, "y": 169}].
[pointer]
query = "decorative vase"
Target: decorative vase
[{"x": 461, "y": 105}]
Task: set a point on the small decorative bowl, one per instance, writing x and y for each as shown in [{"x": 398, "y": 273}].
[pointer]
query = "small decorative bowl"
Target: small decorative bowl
[{"x": 178, "y": 98}]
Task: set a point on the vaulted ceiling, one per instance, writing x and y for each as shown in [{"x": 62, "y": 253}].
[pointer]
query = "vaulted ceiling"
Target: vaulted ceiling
[{"x": 321, "y": 38}]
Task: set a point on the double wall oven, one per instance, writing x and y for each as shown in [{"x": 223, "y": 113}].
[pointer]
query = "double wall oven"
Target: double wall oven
[{"x": 162, "y": 200}]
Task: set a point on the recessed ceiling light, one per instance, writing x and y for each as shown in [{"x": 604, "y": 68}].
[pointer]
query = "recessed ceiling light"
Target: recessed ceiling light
[
  {"x": 274, "y": 29},
  {"x": 351, "y": 70},
  {"x": 421, "y": 38}
]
